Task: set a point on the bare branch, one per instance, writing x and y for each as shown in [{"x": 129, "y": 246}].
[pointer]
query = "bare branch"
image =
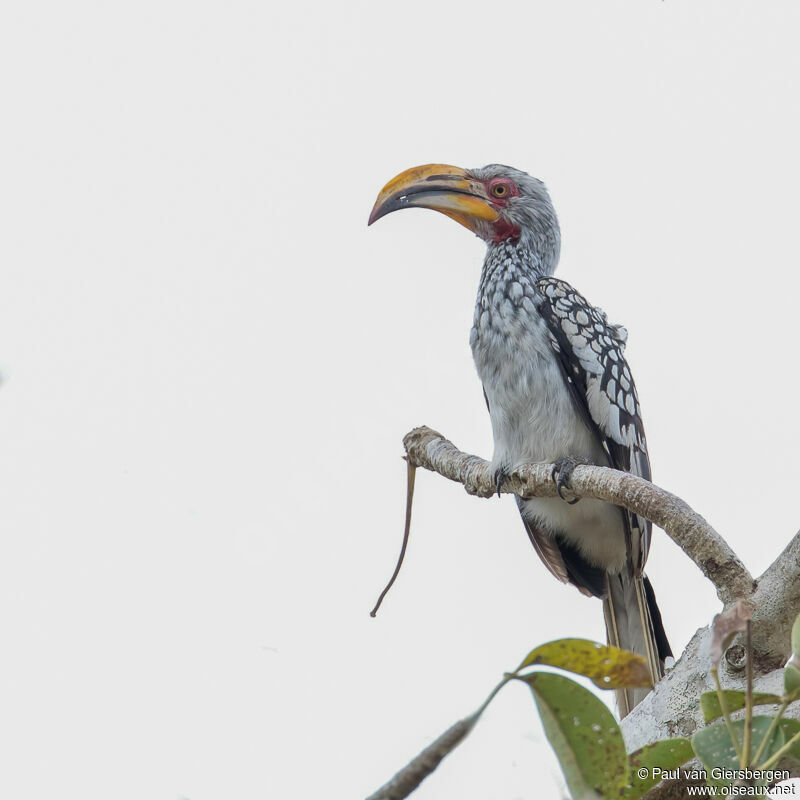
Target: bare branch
[
  {"x": 412, "y": 775},
  {"x": 428, "y": 449}
]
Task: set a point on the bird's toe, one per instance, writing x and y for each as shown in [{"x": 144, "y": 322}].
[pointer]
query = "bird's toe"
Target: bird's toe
[
  {"x": 562, "y": 474},
  {"x": 500, "y": 475}
]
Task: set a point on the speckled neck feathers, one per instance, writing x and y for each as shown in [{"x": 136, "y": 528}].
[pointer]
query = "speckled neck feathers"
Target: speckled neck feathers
[{"x": 514, "y": 256}]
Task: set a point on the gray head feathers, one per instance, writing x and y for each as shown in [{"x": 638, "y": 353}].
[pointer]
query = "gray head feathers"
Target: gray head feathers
[{"x": 531, "y": 212}]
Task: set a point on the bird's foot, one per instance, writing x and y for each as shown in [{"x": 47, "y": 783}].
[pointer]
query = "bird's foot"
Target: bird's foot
[
  {"x": 500, "y": 475},
  {"x": 561, "y": 474}
]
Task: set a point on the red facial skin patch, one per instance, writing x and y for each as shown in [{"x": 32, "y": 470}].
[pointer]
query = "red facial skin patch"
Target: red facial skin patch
[{"x": 501, "y": 190}]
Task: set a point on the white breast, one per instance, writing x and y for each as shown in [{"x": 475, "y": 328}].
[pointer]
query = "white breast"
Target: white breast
[
  {"x": 534, "y": 418},
  {"x": 532, "y": 412}
]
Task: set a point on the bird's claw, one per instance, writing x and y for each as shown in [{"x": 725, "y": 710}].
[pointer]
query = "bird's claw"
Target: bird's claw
[
  {"x": 561, "y": 474},
  {"x": 500, "y": 475}
]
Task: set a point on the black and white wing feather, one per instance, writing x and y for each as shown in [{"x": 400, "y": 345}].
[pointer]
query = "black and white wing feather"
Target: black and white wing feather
[{"x": 590, "y": 351}]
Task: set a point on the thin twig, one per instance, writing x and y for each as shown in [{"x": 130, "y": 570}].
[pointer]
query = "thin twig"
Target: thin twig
[
  {"x": 412, "y": 775},
  {"x": 405, "y": 781},
  {"x": 412, "y": 472}
]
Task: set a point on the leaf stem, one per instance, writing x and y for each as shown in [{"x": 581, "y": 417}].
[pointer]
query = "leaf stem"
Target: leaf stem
[
  {"x": 768, "y": 734},
  {"x": 723, "y": 704},
  {"x": 744, "y": 759},
  {"x": 508, "y": 677},
  {"x": 778, "y": 753}
]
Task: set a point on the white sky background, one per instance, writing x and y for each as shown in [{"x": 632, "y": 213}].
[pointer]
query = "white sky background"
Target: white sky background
[{"x": 209, "y": 362}]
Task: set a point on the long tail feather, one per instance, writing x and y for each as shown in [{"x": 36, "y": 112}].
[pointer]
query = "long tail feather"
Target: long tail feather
[{"x": 629, "y": 625}]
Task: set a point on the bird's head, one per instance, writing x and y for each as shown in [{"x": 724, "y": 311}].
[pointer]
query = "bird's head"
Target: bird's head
[{"x": 495, "y": 202}]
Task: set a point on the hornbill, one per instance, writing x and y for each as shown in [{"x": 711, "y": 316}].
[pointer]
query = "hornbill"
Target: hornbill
[{"x": 558, "y": 390}]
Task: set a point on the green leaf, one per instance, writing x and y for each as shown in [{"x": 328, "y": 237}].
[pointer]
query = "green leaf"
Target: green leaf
[
  {"x": 583, "y": 733},
  {"x": 790, "y": 729},
  {"x": 714, "y": 748},
  {"x": 608, "y": 667},
  {"x": 796, "y": 637},
  {"x": 656, "y": 759},
  {"x": 791, "y": 678},
  {"x": 709, "y": 702}
]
